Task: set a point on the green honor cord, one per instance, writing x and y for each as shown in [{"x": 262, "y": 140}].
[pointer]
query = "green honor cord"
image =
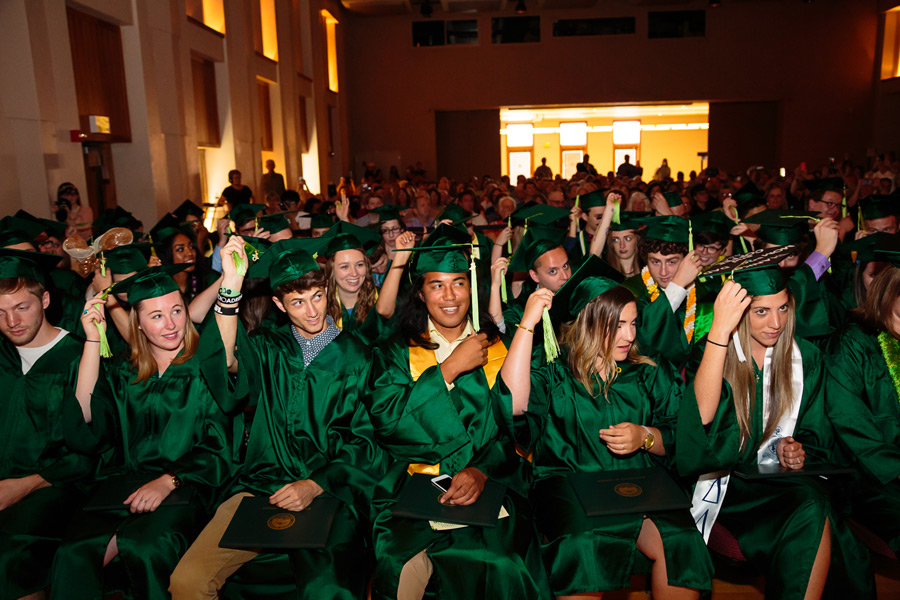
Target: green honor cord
[
  {"x": 473, "y": 276},
  {"x": 551, "y": 346}
]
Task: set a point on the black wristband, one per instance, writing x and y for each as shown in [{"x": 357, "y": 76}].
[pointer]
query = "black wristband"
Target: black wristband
[
  {"x": 227, "y": 311},
  {"x": 709, "y": 341},
  {"x": 229, "y": 301}
]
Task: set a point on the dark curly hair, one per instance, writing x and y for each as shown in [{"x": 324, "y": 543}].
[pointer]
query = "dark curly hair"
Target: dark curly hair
[{"x": 647, "y": 245}]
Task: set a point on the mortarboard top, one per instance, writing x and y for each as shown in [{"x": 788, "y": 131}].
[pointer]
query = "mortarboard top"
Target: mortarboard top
[
  {"x": 284, "y": 261},
  {"x": 48, "y": 227},
  {"x": 534, "y": 213},
  {"x": 782, "y": 227},
  {"x": 865, "y": 246},
  {"x": 673, "y": 199},
  {"x": 27, "y": 265},
  {"x": 347, "y": 236},
  {"x": 242, "y": 213},
  {"x": 389, "y": 212},
  {"x": 31, "y": 229},
  {"x": 758, "y": 271},
  {"x": 666, "y": 228},
  {"x": 445, "y": 234},
  {"x": 168, "y": 226},
  {"x": 833, "y": 184},
  {"x": 590, "y": 200},
  {"x": 879, "y": 206},
  {"x": 273, "y": 223},
  {"x": 454, "y": 213},
  {"x": 321, "y": 221},
  {"x": 592, "y": 278},
  {"x": 449, "y": 258},
  {"x": 150, "y": 282},
  {"x": 749, "y": 189},
  {"x": 186, "y": 209},
  {"x": 888, "y": 249},
  {"x": 714, "y": 221},
  {"x": 536, "y": 241},
  {"x": 13, "y": 237},
  {"x": 128, "y": 258},
  {"x": 629, "y": 220},
  {"x": 115, "y": 217}
]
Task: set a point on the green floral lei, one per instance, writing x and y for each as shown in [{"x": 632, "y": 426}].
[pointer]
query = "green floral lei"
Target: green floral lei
[{"x": 890, "y": 349}]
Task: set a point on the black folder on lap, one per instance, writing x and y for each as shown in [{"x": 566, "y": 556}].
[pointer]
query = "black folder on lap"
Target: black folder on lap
[
  {"x": 419, "y": 499},
  {"x": 755, "y": 471},
  {"x": 628, "y": 491},
  {"x": 112, "y": 492},
  {"x": 258, "y": 524}
]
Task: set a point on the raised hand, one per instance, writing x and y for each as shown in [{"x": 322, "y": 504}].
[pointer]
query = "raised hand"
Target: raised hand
[
  {"x": 729, "y": 307},
  {"x": 534, "y": 307}
]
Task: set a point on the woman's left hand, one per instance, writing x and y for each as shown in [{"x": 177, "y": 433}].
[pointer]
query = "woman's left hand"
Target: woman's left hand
[
  {"x": 623, "y": 438},
  {"x": 149, "y": 496},
  {"x": 791, "y": 454}
]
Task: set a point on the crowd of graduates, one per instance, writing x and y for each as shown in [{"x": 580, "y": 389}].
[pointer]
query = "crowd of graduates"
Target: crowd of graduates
[{"x": 738, "y": 333}]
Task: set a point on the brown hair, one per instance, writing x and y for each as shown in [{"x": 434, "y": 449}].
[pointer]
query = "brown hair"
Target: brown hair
[
  {"x": 593, "y": 336},
  {"x": 367, "y": 293},
  {"x": 301, "y": 284},
  {"x": 878, "y": 308},
  {"x": 647, "y": 245},
  {"x": 742, "y": 378},
  {"x": 11, "y": 285},
  {"x": 612, "y": 257},
  {"x": 141, "y": 358}
]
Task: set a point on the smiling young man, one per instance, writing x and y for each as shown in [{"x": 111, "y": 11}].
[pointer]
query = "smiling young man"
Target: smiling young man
[
  {"x": 38, "y": 363},
  {"x": 430, "y": 402},
  {"x": 310, "y": 435}
]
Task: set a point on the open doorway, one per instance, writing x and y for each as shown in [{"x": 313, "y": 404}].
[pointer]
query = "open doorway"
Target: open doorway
[{"x": 99, "y": 175}]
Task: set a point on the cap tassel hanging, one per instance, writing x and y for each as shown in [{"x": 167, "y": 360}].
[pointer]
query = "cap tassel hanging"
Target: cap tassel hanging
[
  {"x": 503, "y": 296},
  {"x": 473, "y": 277},
  {"x": 551, "y": 346},
  {"x": 617, "y": 211},
  {"x": 105, "y": 350},
  {"x": 509, "y": 241},
  {"x": 580, "y": 233}
]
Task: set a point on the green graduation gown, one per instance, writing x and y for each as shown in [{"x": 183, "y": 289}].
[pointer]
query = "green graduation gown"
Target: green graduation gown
[
  {"x": 864, "y": 409},
  {"x": 310, "y": 424},
  {"x": 374, "y": 327},
  {"x": 777, "y": 522},
  {"x": 169, "y": 423},
  {"x": 421, "y": 421},
  {"x": 592, "y": 554},
  {"x": 662, "y": 329},
  {"x": 33, "y": 441}
]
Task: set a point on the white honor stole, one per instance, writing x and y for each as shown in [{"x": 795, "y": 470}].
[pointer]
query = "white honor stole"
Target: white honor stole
[{"x": 709, "y": 493}]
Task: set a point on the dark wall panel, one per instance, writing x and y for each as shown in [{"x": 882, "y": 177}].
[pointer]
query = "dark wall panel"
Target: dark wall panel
[
  {"x": 468, "y": 142},
  {"x": 743, "y": 134}
]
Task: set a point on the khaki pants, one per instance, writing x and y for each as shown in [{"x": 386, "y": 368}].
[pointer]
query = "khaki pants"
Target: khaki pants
[
  {"x": 205, "y": 567},
  {"x": 414, "y": 577}
]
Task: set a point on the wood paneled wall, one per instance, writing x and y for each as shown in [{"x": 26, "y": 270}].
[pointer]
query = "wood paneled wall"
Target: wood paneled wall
[{"x": 206, "y": 109}]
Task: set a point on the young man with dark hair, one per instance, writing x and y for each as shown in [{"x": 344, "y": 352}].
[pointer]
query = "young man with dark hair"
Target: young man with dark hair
[
  {"x": 430, "y": 402},
  {"x": 310, "y": 435},
  {"x": 38, "y": 367}
]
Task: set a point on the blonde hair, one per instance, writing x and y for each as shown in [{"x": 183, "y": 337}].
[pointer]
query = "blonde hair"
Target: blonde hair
[
  {"x": 141, "y": 358},
  {"x": 365, "y": 301},
  {"x": 742, "y": 378},
  {"x": 593, "y": 336}
]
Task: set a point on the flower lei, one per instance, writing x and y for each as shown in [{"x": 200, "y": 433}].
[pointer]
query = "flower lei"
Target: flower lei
[
  {"x": 690, "y": 313},
  {"x": 890, "y": 349}
]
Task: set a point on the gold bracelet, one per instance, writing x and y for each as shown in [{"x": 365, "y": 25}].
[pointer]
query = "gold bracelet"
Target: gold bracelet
[{"x": 520, "y": 326}]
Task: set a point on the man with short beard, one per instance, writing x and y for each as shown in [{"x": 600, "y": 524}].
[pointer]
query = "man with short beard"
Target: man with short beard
[{"x": 38, "y": 366}]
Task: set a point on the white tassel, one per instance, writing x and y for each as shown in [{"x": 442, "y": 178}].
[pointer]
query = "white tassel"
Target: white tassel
[{"x": 737, "y": 347}]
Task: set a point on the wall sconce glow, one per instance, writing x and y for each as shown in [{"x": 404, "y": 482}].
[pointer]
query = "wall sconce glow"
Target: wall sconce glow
[
  {"x": 331, "y": 38},
  {"x": 626, "y": 133},
  {"x": 519, "y": 135}
]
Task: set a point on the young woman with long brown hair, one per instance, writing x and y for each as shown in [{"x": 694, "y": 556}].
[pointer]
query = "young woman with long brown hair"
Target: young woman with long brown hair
[
  {"x": 152, "y": 418},
  {"x": 602, "y": 406},
  {"x": 757, "y": 400}
]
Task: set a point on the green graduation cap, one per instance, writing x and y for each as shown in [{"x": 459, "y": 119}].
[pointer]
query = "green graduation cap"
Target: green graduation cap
[
  {"x": 150, "y": 282},
  {"x": 445, "y": 234},
  {"x": 781, "y": 227},
  {"x": 451, "y": 258},
  {"x": 321, "y": 221},
  {"x": 115, "y": 217},
  {"x": 537, "y": 241},
  {"x": 347, "y": 236},
  {"x": 13, "y": 237},
  {"x": 533, "y": 213},
  {"x": 389, "y": 212},
  {"x": 714, "y": 222},
  {"x": 242, "y": 213},
  {"x": 592, "y": 278},
  {"x": 455, "y": 213},
  {"x": 30, "y": 229},
  {"x": 284, "y": 261},
  {"x": 187, "y": 209},
  {"x": 629, "y": 220},
  {"x": 273, "y": 223},
  {"x": 888, "y": 249},
  {"x": 129, "y": 258},
  {"x": 27, "y": 265},
  {"x": 673, "y": 199},
  {"x": 865, "y": 246},
  {"x": 879, "y": 206},
  {"x": 762, "y": 280},
  {"x": 832, "y": 184},
  {"x": 666, "y": 228},
  {"x": 168, "y": 226},
  {"x": 590, "y": 200},
  {"x": 48, "y": 227}
]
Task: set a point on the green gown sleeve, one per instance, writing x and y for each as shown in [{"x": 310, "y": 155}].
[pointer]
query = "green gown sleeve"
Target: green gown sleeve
[
  {"x": 662, "y": 331},
  {"x": 863, "y": 406},
  {"x": 811, "y": 304}
]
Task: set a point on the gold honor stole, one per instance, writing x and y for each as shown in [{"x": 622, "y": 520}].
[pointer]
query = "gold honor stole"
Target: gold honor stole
[{"x": 421, "y": 359}]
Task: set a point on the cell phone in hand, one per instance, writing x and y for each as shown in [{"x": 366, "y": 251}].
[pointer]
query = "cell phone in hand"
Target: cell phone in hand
[{"x": 442, "y": 482}]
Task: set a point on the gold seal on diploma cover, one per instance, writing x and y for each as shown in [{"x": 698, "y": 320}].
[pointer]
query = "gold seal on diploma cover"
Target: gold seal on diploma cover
[
  {"x": 280, "y": 521},
  {"x": 629, "y": 490}
]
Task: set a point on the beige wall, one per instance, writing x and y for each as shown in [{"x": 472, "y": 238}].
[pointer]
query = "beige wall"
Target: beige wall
[{"x": 160, "y": 167}]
